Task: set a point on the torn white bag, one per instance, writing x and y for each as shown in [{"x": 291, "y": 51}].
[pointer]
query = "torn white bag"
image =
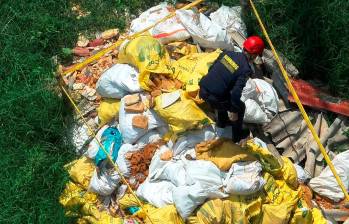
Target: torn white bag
[
  {"x": 203, "y": 31},
  {"x": 190, "y": 139},
  {"x": 244, "y": 178},
  {"x": 204, "y": 181},
  {"x": 167, "y": 31},
  {"x": 152, "y": 136},
  {"x": 267, "y": 96},
  {"x": 229, "y": 18},
  {"x": 104, "y": 183},
  {"x": 157, "y": 193},
  {"x": 131, "y": 134},
  {"x": 254, "y": 113},
  {"x": 123, "y": 164},
  {"x": 172, "y": 171},
  {"x": 118, "y": 81},
  {"x": 326, "y": 185},
  {"x": 261, "y": 101},
  {"x": 93, "y": 147}
]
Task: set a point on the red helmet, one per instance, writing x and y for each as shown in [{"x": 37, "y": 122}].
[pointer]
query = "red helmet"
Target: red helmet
[{"x": 254, "y": 45}]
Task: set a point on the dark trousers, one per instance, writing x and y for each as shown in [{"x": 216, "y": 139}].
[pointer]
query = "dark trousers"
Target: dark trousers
[
  {"x": 222, "y": 106},
  {"x": 223, "y": 120}
]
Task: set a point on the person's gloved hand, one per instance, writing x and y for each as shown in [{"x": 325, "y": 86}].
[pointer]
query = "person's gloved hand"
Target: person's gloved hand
[{"x": 233, "y": 116}]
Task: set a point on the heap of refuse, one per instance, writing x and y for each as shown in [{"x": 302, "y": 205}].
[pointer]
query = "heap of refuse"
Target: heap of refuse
[{"x": 142, "y": 101}]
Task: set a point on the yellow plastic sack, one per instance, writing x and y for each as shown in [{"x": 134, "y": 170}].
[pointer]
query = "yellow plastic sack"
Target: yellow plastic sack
[
  {"x": 128, "y": 200},
  {"x": 191, "y": 68},
  {"x": 194, "y": 95},
  {"x": 180, "y": 49},
  {"x": 302, "y": 214},
  {"x": 276, "y": 214},
  {"x": 305, "y": 215},
  {"x": 74, "y": 197},
  {"x": 92, "y": 215},
  {"x": 212, "y": 212},
  {"x": 167, "y": 214},
  {"x": 222, "y": 152},
  {"x": 103, "y": 219},
  {"x": 182, "y": 115},
  {"x": 245, "y": 209},
  {"x": 237, "y": 209},
  {"x": 148, "y": 55},
  {"x": 289, "y": 173},
  {"x": 318, "y": 218},
  {"x": 81, "y": 221},
  {"x": 80, "y": 203},
  {"x": 269, "y": 162},
  {"x": 280, "y": 168},
  {"x": 108, "y": 110},
  {"x": 281, "y": 200},
  {"x": 81, "y": 171}
]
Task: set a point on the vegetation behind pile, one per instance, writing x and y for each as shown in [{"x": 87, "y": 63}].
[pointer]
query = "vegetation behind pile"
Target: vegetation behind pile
[{"x": 312, "y": 34}]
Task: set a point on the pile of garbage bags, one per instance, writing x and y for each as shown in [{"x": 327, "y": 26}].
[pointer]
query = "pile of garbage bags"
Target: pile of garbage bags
[
  {"x": 143, "y": 101},
  {"x": 217, "y": 181}
]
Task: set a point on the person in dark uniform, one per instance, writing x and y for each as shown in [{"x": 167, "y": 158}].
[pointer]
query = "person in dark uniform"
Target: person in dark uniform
[{"x": 221, "y": 88}]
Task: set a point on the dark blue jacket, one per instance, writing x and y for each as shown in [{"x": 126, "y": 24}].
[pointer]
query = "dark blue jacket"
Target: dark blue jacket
[{"x": 223, "y": 84}]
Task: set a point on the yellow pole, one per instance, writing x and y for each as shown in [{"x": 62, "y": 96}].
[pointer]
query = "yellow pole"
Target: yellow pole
[
  {"x": 96, "y": 57},
  {"x": 299, "y": 104},
  {"x": 105, "y": 151},
  {"x": 118, "y": 43}
]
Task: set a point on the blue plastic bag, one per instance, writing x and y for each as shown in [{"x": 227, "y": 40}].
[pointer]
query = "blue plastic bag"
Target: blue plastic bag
[
  {"x": 133, "y": 209},
  {"x": 111, "y": 140}
]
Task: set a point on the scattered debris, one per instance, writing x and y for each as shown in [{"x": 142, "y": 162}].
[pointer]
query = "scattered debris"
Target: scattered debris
[
  {"x": 80, "y": 13},
  {"x": 82, "y": 41},
  {"x": 143, "y": 97},
  {"x": 108, "y": 34}
]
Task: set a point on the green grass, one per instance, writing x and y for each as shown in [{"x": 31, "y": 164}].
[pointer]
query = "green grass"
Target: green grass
[
  {"x": 312, "y": 34},
  {"x": 33, "y": 117}
]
